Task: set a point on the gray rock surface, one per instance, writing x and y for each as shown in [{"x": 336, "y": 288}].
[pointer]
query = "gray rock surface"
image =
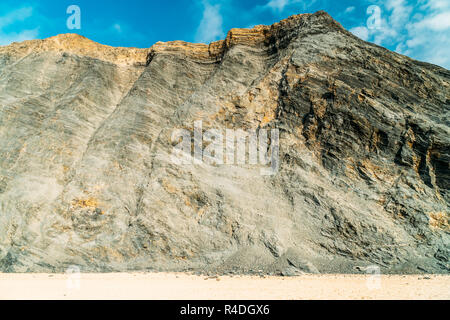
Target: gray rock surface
[{"x": 86, "y": 177}]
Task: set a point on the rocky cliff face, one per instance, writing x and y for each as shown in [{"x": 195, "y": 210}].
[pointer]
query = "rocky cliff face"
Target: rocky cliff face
[{"x": 86, "y": 176}]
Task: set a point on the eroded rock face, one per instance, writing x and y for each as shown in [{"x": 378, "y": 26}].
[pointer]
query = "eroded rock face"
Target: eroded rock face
[{"x": 86, "y": 176}]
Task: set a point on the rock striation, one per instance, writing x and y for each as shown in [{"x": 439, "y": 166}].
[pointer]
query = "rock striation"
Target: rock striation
[{"x": 86, "y": 176}]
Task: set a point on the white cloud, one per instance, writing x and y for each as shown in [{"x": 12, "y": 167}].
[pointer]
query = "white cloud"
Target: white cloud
[
  {"x": 428, "y": 37},
  {"x": 10, "y": 37},
  {"x": 438, "y": 22},
  {"x": 400, "y": 13},
  {"x": 417, "y": 29},
  {"x": 278, "y": 5},
  {"x": 437, "y": 4},
  {"x": 350, "y": 9},
  {"x": 14, "y": 17},
  {"x": 210, "y": 28},
  {"x": 361, "y": 32}
]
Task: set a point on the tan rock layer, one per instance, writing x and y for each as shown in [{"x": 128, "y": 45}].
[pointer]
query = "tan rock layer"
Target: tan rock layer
[
  {"x": 237, "y": 36},
  {"x": 79, "y": 45}
]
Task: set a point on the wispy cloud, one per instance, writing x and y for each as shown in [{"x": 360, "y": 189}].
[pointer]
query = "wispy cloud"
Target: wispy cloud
[
  {"x": 420, "y": 29},
  {"x": 361, "y": 32},
  {"x": 350, "y": 9},
  {"x": 10, "y": 37},
  {"x": 428, "y": 37},
  {"x": 12, "y": 18},
  {"x": 438, "y": 22},
  {"x": 279, "y": 6},
  {"x": 211, "y": 25},
  {"x": 15, "y": 16}
]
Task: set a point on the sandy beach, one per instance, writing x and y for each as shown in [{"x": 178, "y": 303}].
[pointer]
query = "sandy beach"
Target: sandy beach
[{"x": 164, "y": 286}]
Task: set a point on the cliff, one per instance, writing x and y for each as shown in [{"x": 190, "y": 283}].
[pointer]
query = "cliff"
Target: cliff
[{"x": 86, "y": 176}]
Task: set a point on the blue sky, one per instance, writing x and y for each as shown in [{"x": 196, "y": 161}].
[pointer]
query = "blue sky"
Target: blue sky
[{"x": 420, "y": 29}]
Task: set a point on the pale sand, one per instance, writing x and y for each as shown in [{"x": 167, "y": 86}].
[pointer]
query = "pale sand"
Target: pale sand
[{"x": 183, "y": 286}]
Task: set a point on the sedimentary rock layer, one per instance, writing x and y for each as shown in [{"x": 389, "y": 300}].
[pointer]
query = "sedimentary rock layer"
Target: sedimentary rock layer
[{"x": 86, "y": 176}]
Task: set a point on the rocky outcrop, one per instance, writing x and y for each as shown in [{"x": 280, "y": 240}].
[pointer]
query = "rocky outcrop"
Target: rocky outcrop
[
  {"x": 76, "y": 45},
  {"x": 86, "y": 176}
]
